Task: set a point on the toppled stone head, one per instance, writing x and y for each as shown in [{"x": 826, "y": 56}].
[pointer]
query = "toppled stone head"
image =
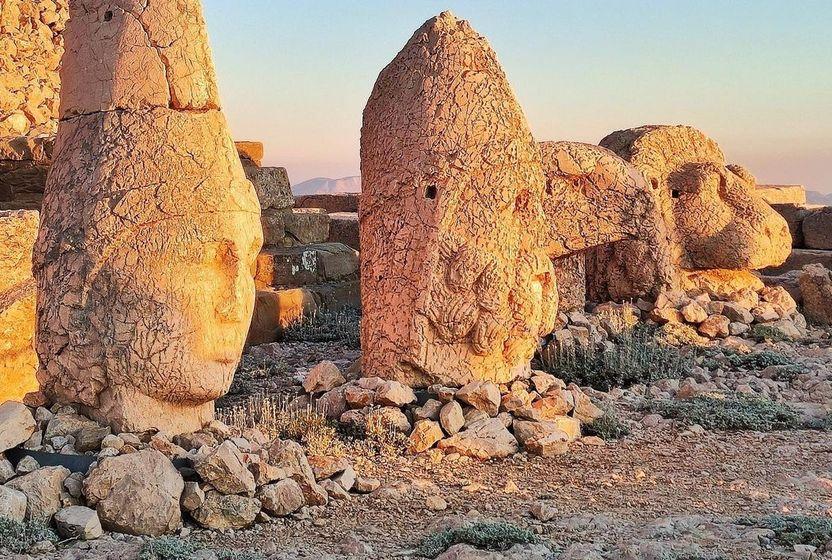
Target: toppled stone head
[
  {"x": 150, "y": 229},
  {"x": 455, "y": 284},
  {"x": 594, "y": 198},
  {"x": 716, "y": 219}
]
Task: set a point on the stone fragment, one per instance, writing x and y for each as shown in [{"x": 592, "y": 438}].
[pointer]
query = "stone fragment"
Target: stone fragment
[
  {"x": 18, "y": 361},
  {"x": 137, "y": 493},
  {"x": 555, "y": 403},
  {"x": 737, "y": 313},
  {"x": 428, "y": 411},
  {"x": 486, "y": 439},
  {"x": 323, "y": 377},
  {"x": 6, "y": 470},
  {"x": 543, "y": 511},
  {"x": 78, "y": 522},
  {"x": 12, "y": 504},
  {"x": 220, "y": 511},
  {"x": 146, "y": 181},
  {"x": 271, "y": 185},
  {"x": 482, "y": 395},
  {"x": 290, "y": 456},
  {"x": 358, "y": 397},
  {"x": 585, "y": 410},
  {"x": 425, "y": 434},
  {"x": 365, "y": 485},
  {"x": 251, "y": 151},
  {"x": 393, "y": 393},
  {"x": 332, "y": 203},
  {"x": 16, "y": 424},
  {"x": 816, "y": 287},
  {"x": 817, "y": 229},
  {"x": 343, "y": 228},
  {"x": 548, "y": 446},
  {"x": 345, "y": 479},
  {"x": 327, "y": 467},
  {"x": 715, "y": 326},
  {"x": 778, "y": 295},
  {"x": 281, "y": 498},
  {"x": 693, "y": 313},
  {"x": 335, "y": 490},
  {"x": 43, "y": 488},
  {"x": 192, "y": 496},
  {"x": 388, "y": 418},
  {"x": 455, "y": 287},
  {"x": 313, "y": 493},
  {"x": 223, "y": 469}
]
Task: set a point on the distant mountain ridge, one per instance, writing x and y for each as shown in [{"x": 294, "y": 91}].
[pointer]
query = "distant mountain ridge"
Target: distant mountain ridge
[
  {"x": 817, "y": 197},
  {"x": 325, "y": 185}
]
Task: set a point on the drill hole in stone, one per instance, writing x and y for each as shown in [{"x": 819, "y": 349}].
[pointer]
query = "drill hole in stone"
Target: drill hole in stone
[
  {"x": 430, "y": 192},
  {"x": 108, "y": 15}
]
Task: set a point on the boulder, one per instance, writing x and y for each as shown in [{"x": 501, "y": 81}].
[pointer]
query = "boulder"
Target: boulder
[
  {"x": 817, "y": 229},
  {"x": 393, "y": 393},
  {"x": 16, "y": 424},
  {"x": 78, "y": 522},
  {"x": 816, "y": 288},
  {"x": 451, "y": 417},
  {"x": 12, "y": 504},
  {"x": 220, "y": 511},
  {"x": 137, "y": 493},
  {"x": 482, "y": 395},
  {"x": 290, "y": 456},
  {"x": 485, "y": 439},
  {"x": 192, "y": 496},
  {"x": 332, "y": 203},
  {"x": 455, "y": 287},
  {"x": 43, "y": 488},
  {"x": 425, "y": 434},
  {"x": 223, "y": 468},
  {"x": 715, "y": 326},
  {"x": 281, "y": 498},
  {"x": 323, "y": 377}
]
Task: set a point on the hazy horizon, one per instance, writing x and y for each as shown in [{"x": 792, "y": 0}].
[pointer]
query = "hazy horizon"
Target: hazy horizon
[{"x": 753, "y": 75}]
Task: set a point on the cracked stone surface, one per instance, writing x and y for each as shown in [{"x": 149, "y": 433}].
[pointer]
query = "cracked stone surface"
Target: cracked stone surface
[
  {"x": 18, "y": 362},
  {"x": 715, "y": 218},
  {"x": 594, "y": 198},
  {"x": 455, "y": 284},
  {"x": 149, "y": 228}
]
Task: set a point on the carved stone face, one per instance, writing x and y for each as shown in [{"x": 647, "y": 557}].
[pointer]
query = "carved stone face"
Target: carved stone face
[
  {"x": 455, "y": 284},
  {"x": 721, "y": 223},
  {"x": 718, "y": 226}
]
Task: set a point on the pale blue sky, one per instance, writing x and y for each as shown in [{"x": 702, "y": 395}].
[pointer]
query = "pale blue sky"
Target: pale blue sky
[{"x": 754, "y": 75}]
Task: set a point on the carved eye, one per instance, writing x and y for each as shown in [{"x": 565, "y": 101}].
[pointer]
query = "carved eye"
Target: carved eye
[{"x": 430, "y": 192}]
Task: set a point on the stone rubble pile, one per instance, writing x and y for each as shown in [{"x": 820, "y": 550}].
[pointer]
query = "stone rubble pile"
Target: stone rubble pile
[
  {"x": 30, "y": 53},
  {"x": 765, "y": 312},
  {"x": 148, "y": 484},
  {"x": 481, "y": 419}
]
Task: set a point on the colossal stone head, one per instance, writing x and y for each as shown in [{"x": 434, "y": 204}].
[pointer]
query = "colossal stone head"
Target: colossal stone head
[
  {"x": 150, "y": 230},
  {"x": 455, "y": 285},
  {"x": 594, "y": 198},
  {"x": 717, "y": 221}
]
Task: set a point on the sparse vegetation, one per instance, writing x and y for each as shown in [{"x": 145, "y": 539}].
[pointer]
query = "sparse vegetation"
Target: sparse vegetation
[
  {"x": 766, "y": 332},
  {"x": 174, "y": 548},
  {"x": 341, "y": 325},
  {"x": 790, "y": 530},
  {"x": 733, "y": 412},
  {"x": 19, "y": 537},
  {"x": 759, "y": 360},
  {"x": 251, "y": 368},
  {"x": 607, "y": 427},
  {"x": 491, "y": 535},
  {"x": 636, "y": 357}
]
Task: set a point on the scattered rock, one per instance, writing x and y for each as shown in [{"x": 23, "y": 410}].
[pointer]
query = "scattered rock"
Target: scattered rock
[
  {"x": 220, "y": 511},
  {"x": 394, "y": 394},
  {"x": 485, "y": 439},
  {"x": 16, "y": 424},
  {"x": 223, "y": 469},
  {"x": 43, "y": 488},
  {"x": 323, "y": 377},
  {"x": 451, "y": 417},
  {"x": 281, "y": 498},
  {"x": 482, "y": 395},
  {"x": 12, "y": 504},
  {"x": 424, "y": 435},
  {"x": 78, "y": 522}
]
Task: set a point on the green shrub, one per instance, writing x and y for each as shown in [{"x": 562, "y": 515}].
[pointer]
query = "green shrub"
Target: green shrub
[
  {"x": 607, "y": 427},
  {"x": 759, "y": 360},
  {"x": 635, "y": 358},
  {"x": 226, "y": 554},
  {"x": 769, "y": 333},
  {"x": 342, "y": 325},
  {"x": 735, "y": 412},
  {"x": 19, "y": 537},
  {"x": 790, "y": 530},
  {"x": 489, "y": 535},
  {"x": 174, "y": 548}
]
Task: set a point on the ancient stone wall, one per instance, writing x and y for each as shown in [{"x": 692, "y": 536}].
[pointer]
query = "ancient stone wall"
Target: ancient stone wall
[{"x": 31, "y": 46}]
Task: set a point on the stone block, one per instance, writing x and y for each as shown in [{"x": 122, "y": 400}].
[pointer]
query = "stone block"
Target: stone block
[
  {"x": 343, "y": 228},
  {"x": 817, "y": 229},
  {"x": 332, "y": 203},
  {"x": 782, "y": 194},
  {"x": 293, "y": 267},
  {"x": 271, "y": 184}
]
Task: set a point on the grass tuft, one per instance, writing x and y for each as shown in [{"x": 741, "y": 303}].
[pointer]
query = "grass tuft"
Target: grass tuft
[
  {"x": 790, "y": 530},
  {"x": 18, "y": 537},
  {"x": 735, "y": 412},
  {"x": 636, "y": 357},
  {"x": 607, "y": 427},
  {"x": 488, "y": 535},
  {"x": 174, "y": 548},
  {"x": 342, "y": 325}
]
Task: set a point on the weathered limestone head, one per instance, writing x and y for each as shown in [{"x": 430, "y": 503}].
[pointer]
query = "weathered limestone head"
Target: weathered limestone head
[
  {"x": 716, "y": 218},
  {"x": 455, "y": 285},
  {"x": 594, "y": 198},
  {"x": 149, "y": 230}
]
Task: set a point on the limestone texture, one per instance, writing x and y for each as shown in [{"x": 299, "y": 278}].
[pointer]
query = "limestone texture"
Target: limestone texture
[
  {"x": 31, "y": 46},
  {"x": 149, "y": 227},
  {"x": 18, "y": 361},
  {"x": 594, "y": 198},
  {"x": 714, "y": 216},
  {"x": 816, "y": 288},
  {"x": 455, "y": 284}
]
